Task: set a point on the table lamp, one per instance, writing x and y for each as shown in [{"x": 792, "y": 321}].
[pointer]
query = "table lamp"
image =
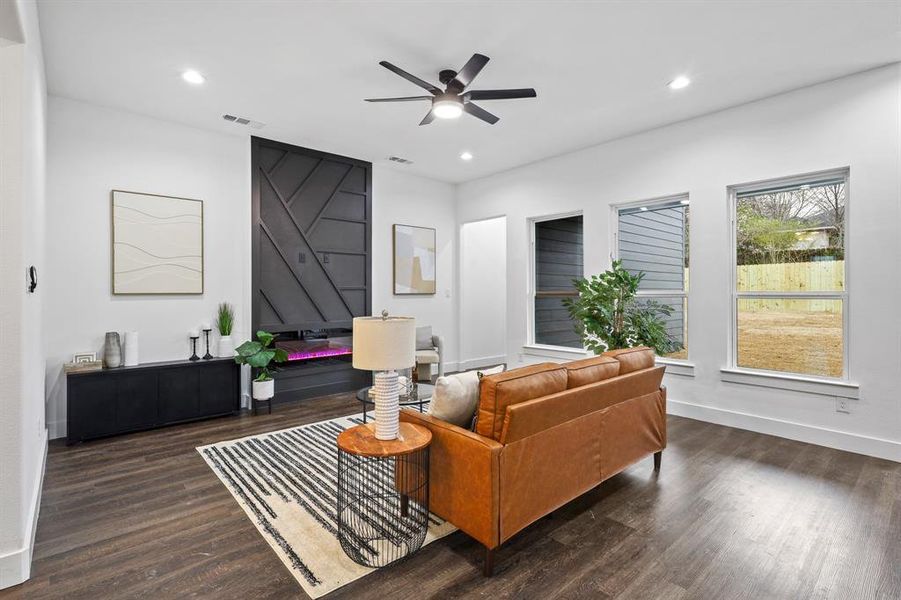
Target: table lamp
[{"x": 383, "y": 344}]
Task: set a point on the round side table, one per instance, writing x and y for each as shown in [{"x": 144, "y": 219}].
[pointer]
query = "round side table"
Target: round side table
[{"x": 383, "y": 493}]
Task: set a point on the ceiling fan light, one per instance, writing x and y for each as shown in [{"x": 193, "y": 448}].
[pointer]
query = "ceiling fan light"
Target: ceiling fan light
[{"x": 447, "y": 109}]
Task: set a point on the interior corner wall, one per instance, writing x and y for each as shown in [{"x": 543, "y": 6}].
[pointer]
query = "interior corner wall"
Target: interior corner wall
[
  {"x": 850, "y": 122},
  {"x": 23, "y": 435},
  {"x": 93, "y": 150},
  {"x": 399, "y": 198}
]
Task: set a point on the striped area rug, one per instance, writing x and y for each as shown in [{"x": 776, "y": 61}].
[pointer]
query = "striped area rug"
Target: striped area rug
[{"x": 286, "y": 482}]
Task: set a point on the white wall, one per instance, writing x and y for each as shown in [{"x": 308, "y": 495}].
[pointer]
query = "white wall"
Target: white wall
[
  {"x": 23, "y": 435},
  {"x": 483, "y": 292},
  {"x": 93, "y": 150},
  {"x": 404, "y": 199},
  {"x": 852, "y": 122}
]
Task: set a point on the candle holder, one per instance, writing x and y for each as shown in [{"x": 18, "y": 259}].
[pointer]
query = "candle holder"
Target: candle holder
[
  {"x": 194, "y": 339},
  {"x": 206, "y": 333}
]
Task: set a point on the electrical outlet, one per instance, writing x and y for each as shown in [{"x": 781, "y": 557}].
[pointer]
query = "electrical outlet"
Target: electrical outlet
[{"x": 842, "y": 405}]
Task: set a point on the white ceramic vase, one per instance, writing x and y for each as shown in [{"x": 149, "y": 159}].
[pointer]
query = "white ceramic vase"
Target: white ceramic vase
[
  {"x": 131, "y": 348},
  {"x": 263, "y": 390},
  {"x": 226, "y": 347}
]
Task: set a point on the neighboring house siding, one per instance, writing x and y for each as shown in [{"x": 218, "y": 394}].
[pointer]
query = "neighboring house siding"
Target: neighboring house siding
[
  {"x": 558, "y": 260},
  {"x": 653, "y": 242}
]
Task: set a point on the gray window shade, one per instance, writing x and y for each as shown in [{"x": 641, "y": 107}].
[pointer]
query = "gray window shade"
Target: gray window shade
[{"x": 558, "y": 260}]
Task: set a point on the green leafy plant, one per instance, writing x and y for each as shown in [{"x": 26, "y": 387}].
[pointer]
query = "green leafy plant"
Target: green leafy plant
[
  {"x": 225, "y": 319},
  {"x": 259, "y": 355},
  {"x": 608, "y": 316}
]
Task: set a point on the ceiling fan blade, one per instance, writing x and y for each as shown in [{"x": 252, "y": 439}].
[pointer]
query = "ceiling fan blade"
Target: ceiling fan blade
[
  {"x": 411, "y": 78},
  {"x": 480, "y": 113},
  {"x": 403, "y": 99},
  {"x": 499, "y": 94},
  {"x": 430, "y": 116},
  {"x": 469, "y": 71}
]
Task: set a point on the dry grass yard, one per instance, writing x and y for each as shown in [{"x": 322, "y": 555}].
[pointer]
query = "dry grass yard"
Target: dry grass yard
[{"x": 799, "y": 342}]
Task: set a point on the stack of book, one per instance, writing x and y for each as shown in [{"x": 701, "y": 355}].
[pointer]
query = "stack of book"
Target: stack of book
[{"x": 79, "y": 367}]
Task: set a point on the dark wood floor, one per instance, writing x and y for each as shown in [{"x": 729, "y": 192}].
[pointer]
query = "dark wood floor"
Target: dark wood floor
[{"x": 733, "y": 514}]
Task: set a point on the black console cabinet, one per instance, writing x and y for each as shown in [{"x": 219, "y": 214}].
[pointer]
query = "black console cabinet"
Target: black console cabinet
[{"x": 113, "y": 401}]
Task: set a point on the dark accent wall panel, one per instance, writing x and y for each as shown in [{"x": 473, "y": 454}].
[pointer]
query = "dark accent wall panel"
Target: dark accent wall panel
[{"x": 312, "y": 237}]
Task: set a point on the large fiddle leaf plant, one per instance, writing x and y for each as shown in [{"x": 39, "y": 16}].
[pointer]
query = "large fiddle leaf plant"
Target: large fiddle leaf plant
[
  {"x": 608, "y": 315},
  {"x": 260, "y": 356}
]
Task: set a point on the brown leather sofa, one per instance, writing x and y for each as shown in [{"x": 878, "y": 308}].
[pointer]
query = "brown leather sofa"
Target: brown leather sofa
[{"x": 545, "y": 434}]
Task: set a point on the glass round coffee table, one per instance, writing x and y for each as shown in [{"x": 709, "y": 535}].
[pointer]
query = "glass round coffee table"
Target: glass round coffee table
[{"x": 422, "y": 395}]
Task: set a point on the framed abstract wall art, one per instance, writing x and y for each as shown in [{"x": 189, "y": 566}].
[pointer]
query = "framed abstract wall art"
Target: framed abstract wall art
[
  {"x": 157, "y": 244},
  {"x": 414, "y": 260}
]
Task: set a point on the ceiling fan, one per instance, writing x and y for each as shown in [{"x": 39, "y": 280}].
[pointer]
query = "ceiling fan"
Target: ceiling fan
[{"x": 454, "y": 100}]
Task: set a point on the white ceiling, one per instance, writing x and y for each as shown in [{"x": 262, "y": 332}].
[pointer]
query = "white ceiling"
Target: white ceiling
[{"x": 600, "y": 68}]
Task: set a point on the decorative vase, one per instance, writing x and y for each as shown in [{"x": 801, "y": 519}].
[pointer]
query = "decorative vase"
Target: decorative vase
[
  {"x": 112, "y": 350},
  {"x": 226, "y": 347},
  {"x": 263, "y": 390},
  {"x": 131, "y": 348}
]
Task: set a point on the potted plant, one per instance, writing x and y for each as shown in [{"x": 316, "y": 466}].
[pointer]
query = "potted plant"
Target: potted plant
[
  {"x": 260, "y": 356},
  {"x": 608, "y": 316},
  {"x": 225, "y": 319}
]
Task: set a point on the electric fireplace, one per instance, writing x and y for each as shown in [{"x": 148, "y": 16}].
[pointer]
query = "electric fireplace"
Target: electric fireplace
[{"x": 313, "y": 345}]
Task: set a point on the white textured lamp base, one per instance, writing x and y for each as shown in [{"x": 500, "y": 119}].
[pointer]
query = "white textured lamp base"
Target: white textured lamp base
[{"x": 385, "y": 394}]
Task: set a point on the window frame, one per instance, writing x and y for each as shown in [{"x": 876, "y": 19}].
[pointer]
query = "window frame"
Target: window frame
[
  {"x": 734, "y": 295},
  {"x": 615, "y": 210},
  {"x": 532, "y": 290}
]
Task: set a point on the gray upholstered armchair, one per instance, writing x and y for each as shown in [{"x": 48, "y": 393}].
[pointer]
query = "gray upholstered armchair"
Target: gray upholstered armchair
[{"x": 429, "y": 351}]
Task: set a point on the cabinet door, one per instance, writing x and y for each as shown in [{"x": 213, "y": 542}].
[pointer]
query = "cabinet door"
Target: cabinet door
[
  {"x": 91, "y": 406},
  {"x": 136, "y": 400},
  {"x": 218, "y": 389},
  {"x": 178, "y": 394}
]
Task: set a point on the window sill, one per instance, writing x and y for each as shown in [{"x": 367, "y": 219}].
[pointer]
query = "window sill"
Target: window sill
[
  {"x": 561, "y": 352},
  {"x": 682, "y": 368},
  {"x": 797, "y": 383}
]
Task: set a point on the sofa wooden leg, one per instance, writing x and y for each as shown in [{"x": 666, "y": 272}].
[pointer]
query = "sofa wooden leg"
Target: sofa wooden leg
[
  {"x": 488, "y": 567},
  {"x": 657, "y": 457}
]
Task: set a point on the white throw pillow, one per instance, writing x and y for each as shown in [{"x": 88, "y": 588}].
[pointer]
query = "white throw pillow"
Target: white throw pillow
[{"x": 456, "y": 397}]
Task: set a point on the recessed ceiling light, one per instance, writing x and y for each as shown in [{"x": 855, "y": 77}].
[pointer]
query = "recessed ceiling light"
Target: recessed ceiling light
[
  {"x": 683, "y": 201},
  {"x": 679, "y": 82},
  {"x": 466, "y": 156},
  {"x": 192, "y": 76},
  {"x": 644, "y": 208}
]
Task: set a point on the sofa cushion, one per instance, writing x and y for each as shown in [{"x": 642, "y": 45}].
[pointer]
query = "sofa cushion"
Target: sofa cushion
[
  {"x": 456, "y": 397},
  {"x": 590, "y": 370},
  {"x": 633, "y": 359},
  {"x": 497, "y": 392},
  {"x": 424, "y": 338},
  {"x": 427, "y": 357}
]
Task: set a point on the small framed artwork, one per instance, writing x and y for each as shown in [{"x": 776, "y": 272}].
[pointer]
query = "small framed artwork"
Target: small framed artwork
[
  {"x": 84, "y": 357},
  {"x": 414, "y": 260},
  {"x": 157, "y": 244}
]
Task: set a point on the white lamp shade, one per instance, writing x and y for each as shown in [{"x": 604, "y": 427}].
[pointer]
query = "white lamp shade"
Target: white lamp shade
[{"x": 384, "y": 344}]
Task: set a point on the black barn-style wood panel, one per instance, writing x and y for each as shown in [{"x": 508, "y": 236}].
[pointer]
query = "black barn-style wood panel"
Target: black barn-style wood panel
[{"x": 312, "y": 242}]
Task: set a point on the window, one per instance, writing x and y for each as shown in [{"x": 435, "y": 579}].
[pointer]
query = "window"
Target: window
[
  {"x": 789, "y": 293},
  {"x": 557, "y": 247},
  {"x": 652, "y": 238}
]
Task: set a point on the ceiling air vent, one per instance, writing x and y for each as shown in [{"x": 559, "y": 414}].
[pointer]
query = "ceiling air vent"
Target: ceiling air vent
[
  {"x": 398, "y": 159},
  {"x": 244, "y": 121}
]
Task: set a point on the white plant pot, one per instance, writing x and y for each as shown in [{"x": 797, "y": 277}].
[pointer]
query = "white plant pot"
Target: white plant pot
[
  {"x": 263, "y": 390},
  {"x": 226, "y": 347}
]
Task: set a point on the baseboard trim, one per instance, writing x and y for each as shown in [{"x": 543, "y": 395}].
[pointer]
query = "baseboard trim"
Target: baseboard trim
[
  {"x": 484, "y": 361},
  {"x": 15, "y": 566},
  {"x": 821, "y": 436},
  {"x": 56, "y": 429}
]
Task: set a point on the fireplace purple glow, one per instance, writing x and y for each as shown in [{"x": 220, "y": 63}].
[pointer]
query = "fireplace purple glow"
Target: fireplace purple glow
[{"x": 311, "y": 349}]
